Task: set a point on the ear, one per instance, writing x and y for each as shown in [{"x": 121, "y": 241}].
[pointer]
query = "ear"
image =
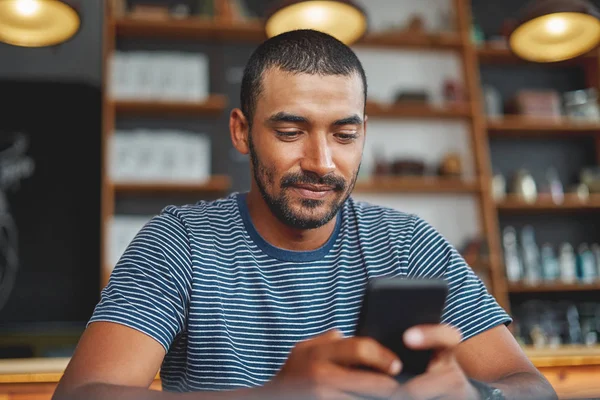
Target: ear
[{"x": 239, "y": 129}]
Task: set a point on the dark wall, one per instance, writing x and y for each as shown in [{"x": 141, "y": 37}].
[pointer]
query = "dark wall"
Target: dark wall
[
  {"x": 53, "y": 95},
  {"x": 57, "y": 209}
]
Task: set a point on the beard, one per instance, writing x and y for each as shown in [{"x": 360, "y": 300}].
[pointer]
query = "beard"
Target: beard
[{"x": 281, "y": 205}]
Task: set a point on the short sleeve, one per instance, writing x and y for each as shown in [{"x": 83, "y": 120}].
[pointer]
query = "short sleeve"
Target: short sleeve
[
  {"x": 469, "y": 306},
  {"x": 149, "y": 287}
]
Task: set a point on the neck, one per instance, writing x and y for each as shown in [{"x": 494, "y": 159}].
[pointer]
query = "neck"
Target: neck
[{"x": 281, "y": 235}]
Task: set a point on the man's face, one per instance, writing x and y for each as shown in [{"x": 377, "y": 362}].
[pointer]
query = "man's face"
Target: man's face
[{"x": 306, "y": 144}]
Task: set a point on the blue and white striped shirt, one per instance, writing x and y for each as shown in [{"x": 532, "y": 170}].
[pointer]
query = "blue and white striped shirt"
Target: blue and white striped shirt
[{"x": 228, "y": 307}]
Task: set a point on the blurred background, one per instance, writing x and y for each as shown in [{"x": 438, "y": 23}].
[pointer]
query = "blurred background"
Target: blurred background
[{"x": 493, "y": 139}]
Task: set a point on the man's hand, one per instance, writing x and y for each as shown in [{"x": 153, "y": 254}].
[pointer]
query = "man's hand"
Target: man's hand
[
  {"x": 328, "y": 367},
  {"x": 444, "y": 378}
]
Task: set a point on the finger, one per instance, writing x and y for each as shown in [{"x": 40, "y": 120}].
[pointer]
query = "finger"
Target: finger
[
  {"x": 364, "y": 383},
  {"x": 365, "y": 352},
  {"x": 326, "y": 337},
  {"x": 440, "y": 337}
]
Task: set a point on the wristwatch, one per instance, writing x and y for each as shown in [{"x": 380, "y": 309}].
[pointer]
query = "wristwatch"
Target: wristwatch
[{"x": 487, "y": 392}]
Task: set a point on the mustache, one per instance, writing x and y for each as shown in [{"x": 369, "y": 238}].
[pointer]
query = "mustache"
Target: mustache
[{"x": 338, "y": 184}]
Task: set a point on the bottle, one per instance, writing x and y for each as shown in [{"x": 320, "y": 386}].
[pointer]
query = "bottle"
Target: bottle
[
  {"x": 550, "y": 267},
  {"x": 555, "y": 186},
  {"x": 512, "y": 262},
  {"x": 568, "y": 267},
  {"x": 586, "y": 264},
  {"x": 531, "y": 256},
  {"x": 595, "y": 248}
]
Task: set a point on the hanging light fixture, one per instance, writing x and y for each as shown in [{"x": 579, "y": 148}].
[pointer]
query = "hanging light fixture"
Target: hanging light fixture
[
  {"x": 555, "y": 30},
  {"x": 37, "y": 23},
  {"x": 342, "y": 19}
]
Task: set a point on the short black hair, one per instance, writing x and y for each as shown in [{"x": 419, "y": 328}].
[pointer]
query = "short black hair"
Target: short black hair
[{"x": 299, "y": 51}]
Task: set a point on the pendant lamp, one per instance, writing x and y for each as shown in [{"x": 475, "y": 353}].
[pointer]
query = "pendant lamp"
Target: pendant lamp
[
  {"x": 342, "y": 19},
  {"x": 555, "y": 30},
  {"x": 37, "y": 23}
]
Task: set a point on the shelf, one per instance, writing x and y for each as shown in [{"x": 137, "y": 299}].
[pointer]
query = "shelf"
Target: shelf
[
  {"x": 196, "y": 28},
  {"x": 217, "y": 184},
  {"x": 214, "y": 105},
  {"x": 375, "y": 109},
  {"x": 536, "y": 125},
  {"x": 415, "y": 185},
  {"x": 552, "y": 287},
  {"x": 423, "y": 41},
  {"x": 193, "y": 28},
  {"x": 570, "y": 203},
  {"x": 490, "y": 54}
]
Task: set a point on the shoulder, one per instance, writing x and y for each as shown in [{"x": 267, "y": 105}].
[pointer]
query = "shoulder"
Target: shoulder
[
  {"x": 175, "y": 227},
  {"x": 203, "y": 209},
  {"x": 379, "y": 217},
  {"x": 203, "y": 215}
]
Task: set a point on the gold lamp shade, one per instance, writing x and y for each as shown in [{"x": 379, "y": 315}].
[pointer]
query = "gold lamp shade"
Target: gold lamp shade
[
  {"x": 556, "y": 30},
  {"x": 37, "y": 23},
  {"x": 342, "y": 19}
]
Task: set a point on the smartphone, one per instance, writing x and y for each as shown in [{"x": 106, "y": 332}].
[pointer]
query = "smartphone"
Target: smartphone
[{"x": 391, "y": 305}]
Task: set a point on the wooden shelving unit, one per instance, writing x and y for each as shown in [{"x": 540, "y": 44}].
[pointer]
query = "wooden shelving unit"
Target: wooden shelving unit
[
  {"x": 253, "y": 32},
  {"x": 217, "y": 184},
  {"x": 213, "y": 105},
  {"x": 570, "y": 203},
  {"x": 190, "y": 29},
  {"x": 572, "y": 370},
  {"x": 418, "y": 111},
  {"x": 441, "y": 41},
  {"x": 553, "y": 287},
  {"x": 511, "y": 124},
  {"x": 418, "y": 185}
]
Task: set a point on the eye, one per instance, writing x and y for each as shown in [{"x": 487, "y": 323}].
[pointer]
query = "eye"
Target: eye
[
  {"x": 288, "y": 135},
  {"x": 347, "y": 137}
]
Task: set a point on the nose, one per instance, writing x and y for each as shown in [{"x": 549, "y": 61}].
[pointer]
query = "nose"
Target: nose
[{"x": 318, "y": 156}]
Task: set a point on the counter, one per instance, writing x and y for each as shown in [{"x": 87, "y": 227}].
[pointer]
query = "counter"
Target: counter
[{"x": 573, "y": 371}]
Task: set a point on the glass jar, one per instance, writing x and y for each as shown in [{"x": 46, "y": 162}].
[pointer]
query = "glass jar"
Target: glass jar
[{"x": 582, "y": 104}]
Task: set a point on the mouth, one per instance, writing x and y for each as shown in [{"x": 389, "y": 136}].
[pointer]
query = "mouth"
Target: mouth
[{"x": 315, "y": 192}]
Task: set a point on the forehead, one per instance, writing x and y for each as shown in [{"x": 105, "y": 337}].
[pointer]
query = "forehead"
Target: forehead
[{"x": 311, "y": 93}]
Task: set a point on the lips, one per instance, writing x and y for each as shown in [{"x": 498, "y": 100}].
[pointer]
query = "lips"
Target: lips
[
  {"x": 315, "y": 188},
  {"x": 313, "y": 191}
]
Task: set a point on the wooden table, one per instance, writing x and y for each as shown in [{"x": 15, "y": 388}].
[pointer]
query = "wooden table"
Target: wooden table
[{"x": 573, "y": 371}]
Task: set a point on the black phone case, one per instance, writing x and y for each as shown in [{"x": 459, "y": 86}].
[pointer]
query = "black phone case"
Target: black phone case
[{"x": 391, "y": 306}]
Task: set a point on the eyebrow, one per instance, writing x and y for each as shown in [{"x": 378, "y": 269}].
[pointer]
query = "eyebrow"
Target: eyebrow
[
  {"x": 286, "y": 117},
  {"x": 353, "y": 120},
  {"x": 292, "y": 118}
]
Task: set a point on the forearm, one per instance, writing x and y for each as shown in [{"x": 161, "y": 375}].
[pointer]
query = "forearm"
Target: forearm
[
  {"x": 526, "y": 385},
  {"x": 99, "y": 391}
]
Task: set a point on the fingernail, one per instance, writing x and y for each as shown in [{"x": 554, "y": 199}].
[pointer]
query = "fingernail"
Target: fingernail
[
  {"x": 395, "y": 367},
  {"x": 413, "y": 337}
]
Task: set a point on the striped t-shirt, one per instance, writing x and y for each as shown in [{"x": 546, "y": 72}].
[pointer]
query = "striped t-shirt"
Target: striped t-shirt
[{"x": 228, "y": 307}]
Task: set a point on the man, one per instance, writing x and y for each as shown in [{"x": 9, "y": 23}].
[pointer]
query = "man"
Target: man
[{"x": 257, "y": 295}]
